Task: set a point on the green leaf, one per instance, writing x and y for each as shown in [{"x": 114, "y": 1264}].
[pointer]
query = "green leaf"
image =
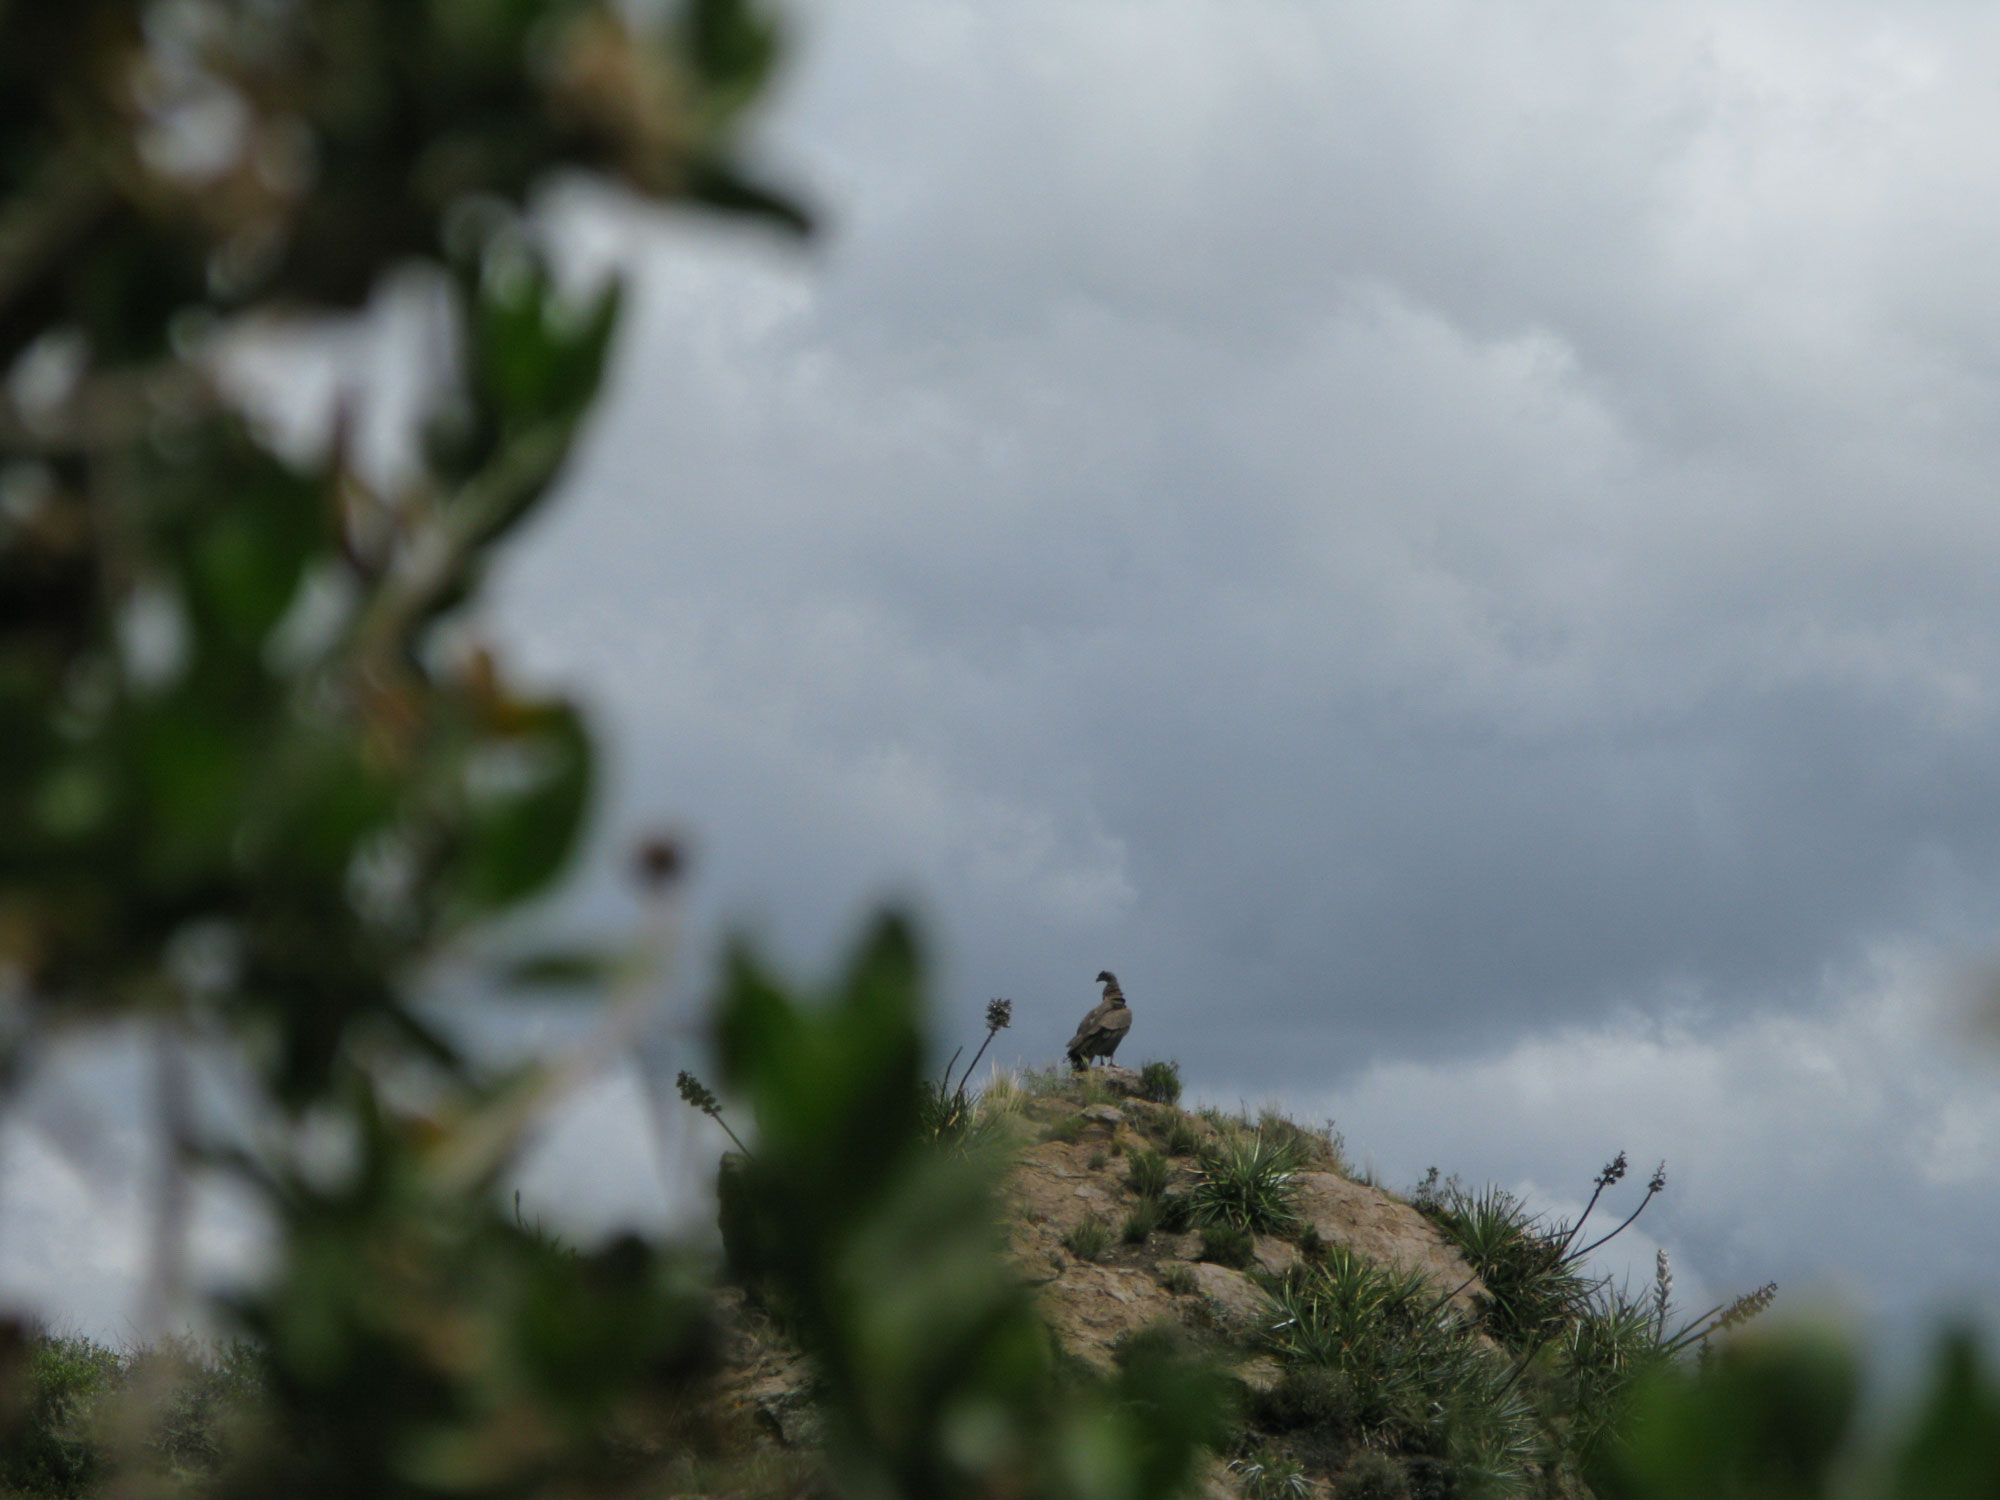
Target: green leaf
[
  {"x": 1954, "y": 1451},
  {"x": 528, "y": 793},
  {"x": 1766, "y": 1420},
  {"x": 563, "y": 969}
]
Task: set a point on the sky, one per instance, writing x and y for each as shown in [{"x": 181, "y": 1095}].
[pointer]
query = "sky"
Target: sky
[{"x": 1450, "y": 545}]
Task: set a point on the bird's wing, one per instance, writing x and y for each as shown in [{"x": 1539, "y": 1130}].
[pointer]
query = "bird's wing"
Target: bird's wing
[
  {"x": 1118, "y": 1022},
  {"x": 1089, "y": 1026}
]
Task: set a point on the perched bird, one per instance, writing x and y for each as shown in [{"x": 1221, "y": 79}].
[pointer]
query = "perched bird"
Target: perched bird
[{"x": 1104, "y": 1028}]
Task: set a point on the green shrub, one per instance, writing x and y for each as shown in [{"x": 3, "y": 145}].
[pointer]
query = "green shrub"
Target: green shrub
[
  {"x": 1141, "y": 1222},
  {"x": 1176, "y": 1212},
  {"x": 1146, "y": 1174},
  {"x": 1182, "y": 1138},
  {"x": 1227, "y": 1245},
  {"x": 57, "y": 1450},
  {"x": 1178, "y": 1279},
  {"x": 1249, "y": 1182},
  {"x": 1309, "y": 1395},
  {"x": 1160, "y": 1082},
  {"x": 1369, "y": 1475},
  {"x": 1089, "y": 1239}
]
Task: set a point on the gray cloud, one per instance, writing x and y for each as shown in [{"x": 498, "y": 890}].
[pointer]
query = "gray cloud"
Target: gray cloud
[{"x": 1394, "y": 527}]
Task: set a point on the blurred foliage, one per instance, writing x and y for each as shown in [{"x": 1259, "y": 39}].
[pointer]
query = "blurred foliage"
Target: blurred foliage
[
  {"x": 256, "y": 775},
  {"x": 1778, "y": 1418}
]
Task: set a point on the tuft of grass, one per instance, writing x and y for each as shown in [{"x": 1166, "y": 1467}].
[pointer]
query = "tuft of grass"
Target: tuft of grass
[
  {"x": 1141, "y": 1222},
  {"x": 1227, "y": 1245},
  {"x": 1089, "y": 1239},
  {"x": 1146, "y": 1174},
  {"x": 1068, "y": 1130},
  {"x": 1177, "y": 1279},
  {"x": 1099, "y": 1160},
  {"x": 1182, "y": 1138},
  {"x": 1160, "y": 1082},
  {"x": 1249, "y": 1182},
  {"x": 1176, "y": 1212},
  {"x": 1002, "y": 1096},
  {"x": 1044, "y": 1083}
]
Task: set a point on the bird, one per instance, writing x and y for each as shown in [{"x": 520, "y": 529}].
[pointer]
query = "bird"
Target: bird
[{"x": 1104, "y": 1028}]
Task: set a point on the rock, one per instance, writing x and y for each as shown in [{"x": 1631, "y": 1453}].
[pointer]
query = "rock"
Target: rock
[
  {"x": 1261, "y": 1374},
  {"x": 1274, "y": 1257},
  {"x": 1105, "y": 1114},
  {"x": 783, "y": 1402},
  {"x": 1089, "y": 1308},
  {"x": 1369, "y": 1222},
  {"x": 1119, "y": 1080},
  {"x": 1233, "y": 1295}
]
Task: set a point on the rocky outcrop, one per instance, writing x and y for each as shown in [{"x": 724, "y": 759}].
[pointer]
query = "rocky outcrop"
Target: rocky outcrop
[
  {"x": 1370, "y": 1222},
  {"x": 1067, "y": 1200},
  {"x": 1093, "y": 1301}
]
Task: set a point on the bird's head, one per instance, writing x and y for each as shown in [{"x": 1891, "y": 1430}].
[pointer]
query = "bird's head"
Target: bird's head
[{"x": 1105, "y": 976}]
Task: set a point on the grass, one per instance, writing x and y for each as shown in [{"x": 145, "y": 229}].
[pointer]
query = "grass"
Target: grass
[
  {"x": 1227, "y": 1245},
  {"x": 1249, "y": 1182},
  {"x": 1160, "y": 1082},
  {"x": 1089, "y": 1239},
  {"x": 1069, "y": 1129},
  {"x": 1141, "y": 1222},
  {"x": 1182, "y": 1138},
  {"x": 1146, "y": 1174},
  {"x": 1178, "y": 1279},
  {"x": 1003, "y": 1096}
]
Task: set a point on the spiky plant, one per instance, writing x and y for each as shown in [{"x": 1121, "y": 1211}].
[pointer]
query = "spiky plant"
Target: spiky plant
[
  {"x": 1419, "y": 1377},
  {"x": 1533, "y": 1288},
  {"x": 1250, "y": 1183}
]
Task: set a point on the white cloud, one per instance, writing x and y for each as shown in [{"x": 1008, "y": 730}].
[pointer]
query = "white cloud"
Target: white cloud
[{"x": 1849, "y": 1151}]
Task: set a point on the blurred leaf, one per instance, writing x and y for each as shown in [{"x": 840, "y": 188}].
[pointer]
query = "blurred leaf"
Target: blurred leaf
[
  {"x": 563, "y": 969},
  {"x": 1953, "y": 1453},
  {"x": 1767, "y": 1419},
  {"x": 527, "y": 798}
]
